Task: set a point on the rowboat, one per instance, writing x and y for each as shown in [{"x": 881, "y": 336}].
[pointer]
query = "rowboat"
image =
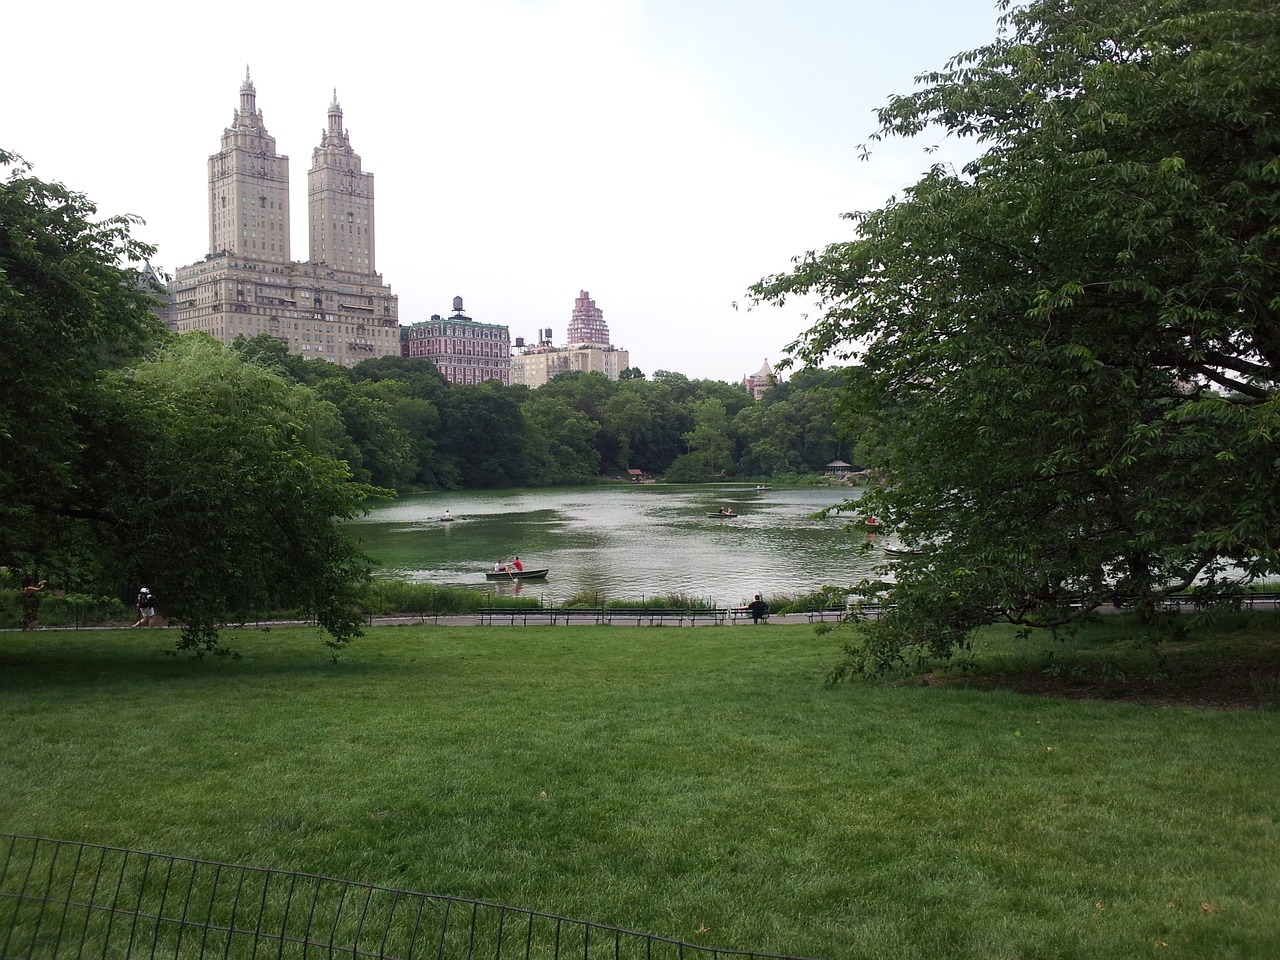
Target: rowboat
[
  {"x": 900, "y": 552},
  {"x": 517, "y": 574},
  {"x": 722, "y": 516}
]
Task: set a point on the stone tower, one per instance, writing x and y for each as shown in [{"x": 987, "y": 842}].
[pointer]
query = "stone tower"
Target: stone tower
[
  {"x": 249, "y": 188},
  {"x": 340, "y": 201}
]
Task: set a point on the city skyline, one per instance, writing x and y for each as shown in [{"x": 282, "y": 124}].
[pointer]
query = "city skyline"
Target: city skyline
[{"x": 663, "y": 156}]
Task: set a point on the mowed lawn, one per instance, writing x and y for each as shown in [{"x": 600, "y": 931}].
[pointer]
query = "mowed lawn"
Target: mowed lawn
[{"x": 701, "y": 784}]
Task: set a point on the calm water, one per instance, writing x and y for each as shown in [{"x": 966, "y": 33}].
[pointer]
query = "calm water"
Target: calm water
[{"x": 622, "y": 542}]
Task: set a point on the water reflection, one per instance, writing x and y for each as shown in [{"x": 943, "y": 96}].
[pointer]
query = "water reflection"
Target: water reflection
[{"x": 624, "y": 541}]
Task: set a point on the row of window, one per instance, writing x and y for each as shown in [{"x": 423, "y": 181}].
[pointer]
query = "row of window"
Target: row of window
[{"x": 430, "y": 330}]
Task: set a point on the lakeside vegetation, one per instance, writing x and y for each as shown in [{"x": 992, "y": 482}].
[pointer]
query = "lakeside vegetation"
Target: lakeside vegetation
[
  {"x": 380, "y": 597},
  {"x": 697, "y": 783}
]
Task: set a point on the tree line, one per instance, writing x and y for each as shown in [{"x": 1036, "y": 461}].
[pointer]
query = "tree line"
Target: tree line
[{"x": 407, "y": 427}]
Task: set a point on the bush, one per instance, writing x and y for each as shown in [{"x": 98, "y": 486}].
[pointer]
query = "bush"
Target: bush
[
  {"x": 429, "y": 599},
  {"x": 73, "y": 609},
  {"x": 671, "y": 601},
  {"x": 828, "y": 596}
]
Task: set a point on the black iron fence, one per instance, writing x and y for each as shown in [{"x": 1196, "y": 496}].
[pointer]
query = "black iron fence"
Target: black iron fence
[{"x": 61, "y": 899}]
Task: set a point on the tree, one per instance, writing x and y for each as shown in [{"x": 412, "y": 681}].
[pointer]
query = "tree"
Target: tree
[
  {"x": 484, "y": 433},
  {"x": 709, "y": 453},
  {"x": 1070, "y": 349},
  {"x": 74, "y": 299},
  {"x": 559, "y": 448},
  {"x": 217, "y": 482},
  {"x": 379, "y": 452}
]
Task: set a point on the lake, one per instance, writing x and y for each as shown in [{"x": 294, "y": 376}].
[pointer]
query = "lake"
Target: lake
[{"x": 626, "y": 541}]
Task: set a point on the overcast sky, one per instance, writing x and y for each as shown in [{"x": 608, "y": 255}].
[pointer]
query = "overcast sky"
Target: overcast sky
[{"x": 661, "y": 154}]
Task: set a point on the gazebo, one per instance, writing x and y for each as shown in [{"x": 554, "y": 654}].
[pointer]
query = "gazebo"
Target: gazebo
[{"x": 839, "y": 468}]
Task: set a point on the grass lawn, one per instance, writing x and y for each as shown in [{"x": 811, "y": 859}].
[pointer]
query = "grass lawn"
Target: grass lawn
[{"x": 700, "y": 784}]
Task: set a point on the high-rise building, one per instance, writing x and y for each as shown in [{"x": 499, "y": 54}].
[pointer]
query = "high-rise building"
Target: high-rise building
[
  {"x": 333, "y": 306},
  {"x": 462, "y": 349},
  {"x": 249, "y": 188},
  {"x": 586, "y": 324},
  {"x": 587, "y": 349},
  {"x": 340, "y": 201}
]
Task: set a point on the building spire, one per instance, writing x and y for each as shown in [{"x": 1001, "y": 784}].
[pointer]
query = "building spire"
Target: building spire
[
  {"x": 247, "y": 96},
  {"x": 335, "y": 118}
]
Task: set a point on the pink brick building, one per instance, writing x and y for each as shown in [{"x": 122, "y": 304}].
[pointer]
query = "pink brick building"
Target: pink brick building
[{"x": 462, "y": 349}]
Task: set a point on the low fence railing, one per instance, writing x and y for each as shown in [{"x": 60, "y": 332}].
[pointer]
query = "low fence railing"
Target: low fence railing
[{"x": 70, "y": 899}]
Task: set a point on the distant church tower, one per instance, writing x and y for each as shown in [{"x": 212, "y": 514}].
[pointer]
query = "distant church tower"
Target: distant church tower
[
  {"x": 340, "y": 198},
  {"x": 249, "y": 188}
]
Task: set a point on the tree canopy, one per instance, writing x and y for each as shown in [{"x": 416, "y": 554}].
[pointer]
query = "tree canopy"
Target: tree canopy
[
  {"x": 74, "y": 299},
  {"x": 1068, "y": 351},
  {"x": 220, "y": 487}
]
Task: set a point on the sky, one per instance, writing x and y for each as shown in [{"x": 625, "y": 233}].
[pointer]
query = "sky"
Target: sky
[{"x": 662, "y": 155}]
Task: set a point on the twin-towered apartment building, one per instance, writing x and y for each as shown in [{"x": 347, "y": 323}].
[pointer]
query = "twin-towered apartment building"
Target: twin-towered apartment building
[{"x": 334, "y": 305}]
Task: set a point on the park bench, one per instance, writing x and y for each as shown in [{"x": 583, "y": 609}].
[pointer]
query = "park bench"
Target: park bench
[
  {"x": 661, "y": 616},
  {"x": 538, "y": 616},
  {"x": 579, "y": 615},
  {"x": 525, "y": 616},
  {"x": 1254, "y": 600},
  {"x": 833, "y": 611},
  {"x": 639, "y": 616},
  {"x": 742, "y": 613}
]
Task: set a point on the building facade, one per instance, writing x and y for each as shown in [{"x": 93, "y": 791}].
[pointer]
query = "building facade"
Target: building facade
[
  {"x": 757, "y": 383},
  {"x": 587, "y": 349},
  {"x": 538, "y": 364},
  {"x": 586, "y": 324},
  {"x": 333, "y": 306},
  {"x": 462, "y": 349}
]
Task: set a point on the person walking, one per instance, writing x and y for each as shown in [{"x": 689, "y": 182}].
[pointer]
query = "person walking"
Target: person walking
[{"x": 146, "y": 607}]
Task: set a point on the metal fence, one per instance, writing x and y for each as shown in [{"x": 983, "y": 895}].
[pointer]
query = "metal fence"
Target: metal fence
[{"x": 67, "y": 899}]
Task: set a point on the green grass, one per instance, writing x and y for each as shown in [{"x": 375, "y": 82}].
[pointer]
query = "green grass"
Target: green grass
[{"x": 702, "y": 784}]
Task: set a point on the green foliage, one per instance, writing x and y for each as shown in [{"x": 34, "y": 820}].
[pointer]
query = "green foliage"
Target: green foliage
[
  {"x": 75, "y": 298},
  {"x": 217, "y": 485},
  {"x": 829, "y": 596},
  {"x": 379, "y": 450},
  {"x": 387, "y": 597},
  {"x": 1069, "y": 351},
  {"x": 560, "y": 450},
  {"x": 406, "y": 427}
]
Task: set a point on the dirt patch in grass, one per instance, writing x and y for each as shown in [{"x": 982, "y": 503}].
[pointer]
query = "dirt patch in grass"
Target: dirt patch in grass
[{"x": 1208, "y": 684}]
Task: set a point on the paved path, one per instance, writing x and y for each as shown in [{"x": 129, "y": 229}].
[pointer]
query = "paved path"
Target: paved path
[{"x": 460, "y": 620}]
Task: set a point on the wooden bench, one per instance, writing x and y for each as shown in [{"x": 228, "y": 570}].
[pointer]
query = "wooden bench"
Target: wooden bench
[{"x": 742, "y": 613}]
